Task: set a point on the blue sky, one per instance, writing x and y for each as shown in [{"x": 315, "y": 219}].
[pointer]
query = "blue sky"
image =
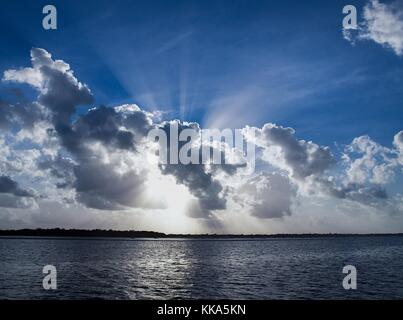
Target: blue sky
[{"x": 222, "y": 63}]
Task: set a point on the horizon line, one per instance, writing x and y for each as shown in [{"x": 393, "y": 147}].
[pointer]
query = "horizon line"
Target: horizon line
[{"x": 72, "y": 232}]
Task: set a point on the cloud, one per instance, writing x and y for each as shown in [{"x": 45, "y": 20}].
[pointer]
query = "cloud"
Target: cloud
[
  {"x": 299, "y": 157},
  {"x": 198, "y": 178},
  {"x": 12, "y": 196},
  {"x": 110, "y": 173},
  {"x": 363, "y": 171},
  {"x": 382, "y": 23},
  {"x": 99, "y": 186},
  {"x": 22, "y": 114},
  {"x": 60, "y": 91},
  {"x": 208, "y": 191},
  {"x": 267, "y": 195},
  {"x": 30, "y": 76},
  {"x": 369, "y": 195},
  {"x": 100, "y": 162},
  {"x": 103, "y": 125},
  {"x": 103, "y": 171},
  {"x": 369, "y": 162},
  {"x": 7, "y": 185},
  {"x": 398, "y": 143}
]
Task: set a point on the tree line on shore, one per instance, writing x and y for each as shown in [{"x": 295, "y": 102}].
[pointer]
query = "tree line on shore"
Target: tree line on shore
[{"x": 99, "y": 233}]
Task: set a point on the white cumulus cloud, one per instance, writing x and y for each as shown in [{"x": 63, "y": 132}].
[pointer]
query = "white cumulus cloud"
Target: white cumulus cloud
[{"x": 382, "y": 23}]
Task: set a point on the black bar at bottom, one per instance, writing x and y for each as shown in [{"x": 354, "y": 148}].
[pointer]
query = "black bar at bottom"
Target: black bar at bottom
[{"x": 198, "y": 309}]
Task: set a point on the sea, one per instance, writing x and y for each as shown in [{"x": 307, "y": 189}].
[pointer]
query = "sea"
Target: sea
[{"x": 264, "y": 268}]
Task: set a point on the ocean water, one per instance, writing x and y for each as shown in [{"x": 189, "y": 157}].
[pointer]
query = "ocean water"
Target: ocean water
[{"x": 305, "y": 268}]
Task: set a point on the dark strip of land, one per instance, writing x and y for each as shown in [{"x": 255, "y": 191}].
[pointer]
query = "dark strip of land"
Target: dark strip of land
[{"x": 57, "y": 232}]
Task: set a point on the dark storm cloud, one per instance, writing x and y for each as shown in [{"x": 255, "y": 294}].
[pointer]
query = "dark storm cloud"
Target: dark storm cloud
[
  {"x": 103, "y": 124},
  {"x": 136, "y": 120},
  {"x": 61, "y": 167},
  {"x": 99, "y": 186},
  {"x": 62, "y": 92},
  {"x": 210, "y": 193},
  {"x": 7, "y": 185},
  {"x": 365, "y": 194},
  {"x": 117, "y": 130},
  {"x": 12, "y": 196},
  {"x": 303, "y": 158},
  {"x": 372, "y": 195}
]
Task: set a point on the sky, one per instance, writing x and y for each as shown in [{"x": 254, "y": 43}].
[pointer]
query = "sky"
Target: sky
[{"x": 76, "y": 104}]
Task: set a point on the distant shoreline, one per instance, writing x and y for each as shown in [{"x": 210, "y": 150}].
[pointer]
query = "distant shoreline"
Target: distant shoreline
[{"x": 97, "y": 233}]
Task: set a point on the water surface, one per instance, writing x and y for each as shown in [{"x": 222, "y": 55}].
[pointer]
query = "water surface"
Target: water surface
[{"x": 304, "y": 268}]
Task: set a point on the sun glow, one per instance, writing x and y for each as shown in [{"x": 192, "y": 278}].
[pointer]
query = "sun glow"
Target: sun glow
[{"x": 173, "y": 197}]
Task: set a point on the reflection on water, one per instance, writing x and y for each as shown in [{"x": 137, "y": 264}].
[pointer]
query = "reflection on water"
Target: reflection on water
[{"x": 196, "y": 269}]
